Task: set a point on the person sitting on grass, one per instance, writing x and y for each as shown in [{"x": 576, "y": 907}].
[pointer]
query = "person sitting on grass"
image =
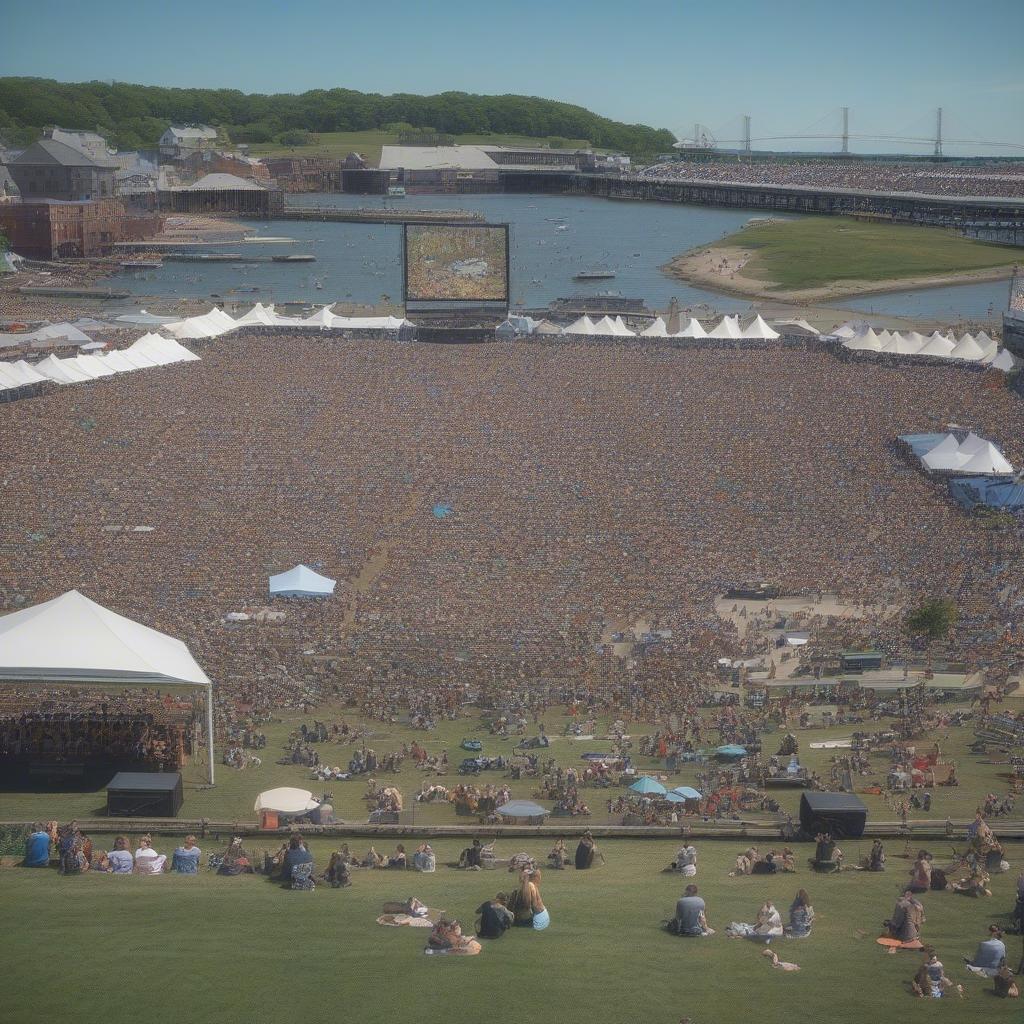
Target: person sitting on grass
[
  {"x": 424, "y": 859},
  {"x": 495, "y": 917},
  {"x": 921, "y": 873},
  {"x": 686, "y": 860},
  {"x": 876, "y": 858},
  {"x": 447, "y": 936},
  {"x": 827, "y": 856},
  {"x": 558, "y": 858},
  {"x": 1005, "y": 986},
  {"x": 235, "y": 860},
  {"x": 73, "y": 860},
  {"x": 372, "y": 859},
  {"x": 120, "y": 859},
  {"x": 472, "y": 857},
  {"x": 185, "y": 860},
  {"x": 399, "y": 859},
  {"x": 586, "y": 850},
  {"x": 989, "y": 954},
  {"x": 147, "y": 860},
  {"x": 337, "y": 873},
  {"x": 691, "y": 915},
  {"x": 37, "y": 847},
  {"x": 297, "y": 854},
  {"x": 801, "y": 916},
  {"x": 930, "y": 981},
  {"x": 768, "y": 925},
  {"x": 907, "y": 918},
  {"x": 975, "y": 885}
]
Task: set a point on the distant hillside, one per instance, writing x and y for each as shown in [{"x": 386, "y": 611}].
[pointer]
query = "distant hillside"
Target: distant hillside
[{"x": 134, "y": 116}]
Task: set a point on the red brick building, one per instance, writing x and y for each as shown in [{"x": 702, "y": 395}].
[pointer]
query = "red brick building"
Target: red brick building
[{"x": 50, "y": 229}]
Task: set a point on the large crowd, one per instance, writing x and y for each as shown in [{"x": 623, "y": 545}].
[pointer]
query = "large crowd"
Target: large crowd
[
  {"x": 590, "y": 488},
  {"x": 994, "y": 178}
]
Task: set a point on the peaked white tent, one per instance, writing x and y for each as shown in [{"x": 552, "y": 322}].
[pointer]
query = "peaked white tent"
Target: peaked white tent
[
  {"x": 27, "y": 372},
  {"x": 988, "y": 460},
  {"x": 321, "y": 318},
  {"x": 74, "y": 640},
  {"x": 92, "y": 366},
  {"x": 865, "y": 342},
  {"x": 258, "y": 316},
  {"x": 655, "y": 329},
  {"x": 8, "y": 380},
  {"x": 937, "y": 345},
  {"x": 1005, "y": 361},
  {"x": 729, "y": 327},
  {"x": 692, "y": 329},
  {"x": 145, "y": 319},
  {"x": 301, "y": 582},
  {"x": 63, "y": 371},
  {"x": 582, "y": 326},
  {"x": 902, "y": 345},
  {"x": 967, "y": 349},
  {"x": 758, "y": 329},
  {"x": 945, "y": 455},
  {"x": 116, "y": 361},
  {"x": 802, "y": 324}
]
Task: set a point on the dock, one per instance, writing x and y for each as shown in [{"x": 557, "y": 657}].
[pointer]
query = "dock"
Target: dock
[{"x": 382, "y": 216}]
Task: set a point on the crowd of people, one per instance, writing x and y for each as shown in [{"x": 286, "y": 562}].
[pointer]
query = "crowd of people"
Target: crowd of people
[
  {"x": 576, "y": 476},
  {"x": 993, "y": 178}
]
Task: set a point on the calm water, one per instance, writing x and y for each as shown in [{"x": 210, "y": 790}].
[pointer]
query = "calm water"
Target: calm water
[{"x": 552, "y": 237}]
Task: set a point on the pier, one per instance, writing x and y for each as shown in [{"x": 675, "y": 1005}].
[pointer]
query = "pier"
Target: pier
[{"x": 382, "y": 216}]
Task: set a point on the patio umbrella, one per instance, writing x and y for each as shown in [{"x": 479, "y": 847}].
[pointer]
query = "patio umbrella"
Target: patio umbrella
[
  {"x": 731, "y": 750},
  {"x": 686, "y": 792},
  {"x": 521, "y": 809},
  {"x": 675, "y": 798},
  {"x": 645, "y": 784}
]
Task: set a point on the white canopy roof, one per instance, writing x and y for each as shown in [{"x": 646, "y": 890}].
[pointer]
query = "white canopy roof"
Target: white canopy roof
[
  {"x": 937, "y": 345},
  {"x": 92, "y": 366},
  {"x": 286, "y": 800},
  {"x": 259, "y": 315},
  {"x": 655, "y": 329},
  {"x": 692, "y": 329},
  {"x": 945, "y": 455},
  {"x": 582, "y": 326},
  {"x": 867, "y": 341},
  {"x": 63, "y": 371},
  {"x": 8, "y": 379},
  {"x": 26, "y": 372},
  {"x": 846, "y": 331},
  {"x": 758, "y": 329},
  {"x": 73, "y": 639},
  {"x": 1005, "y": 361},
  {"x": 803, "y": 324},
  {"x": 301, "y": 582},
  {"x": 729, "y": 327},
  {"x": 968, "y": 349},
  {"x": 145, "y": 319},
  {"x": 988, "y": 460},
  {"x": 902, "y": 344},
  {"x": 116, "y": 361}
]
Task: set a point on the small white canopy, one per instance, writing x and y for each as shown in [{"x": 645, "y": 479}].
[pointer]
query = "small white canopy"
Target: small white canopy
[
  {"x": 937, "y": 345},
  {"x": 286, "y": 800},
  {"x": 967, "y": 349},
  {"x": 145, "y": 319},
  {"x": 63, "y": 371},
  {"x": 605, "y": 327},
  {"x": 729, "y": 327},
  {"x": 972, "y": 444},
  {"x": 1005, "y": 361},
  {"x": 802, "y": 324},
  {"x": 866, "y": 342},
  {"x": 582, "y": 326},
  {"x": 8, "y": 380},
  {"x": 655, "y": 329},
  {"x": 150, "y": 346},
  {"x": 902, "y": 345},
  {"x": 758, "y": 329},
  {"x": 321, "y": 318},
  {"x": 92, "y": 366},
  {"x": 693, "y": 329},
  {"x": 258, "y": 316},
  {"x": 547, "y": 327},
  {"x": 848, "y": 330},
  {"x": 945, "y": 455},
  {"x": 301, "y": 582},
  {"x": 27, "y": 372},
  {"x": 117, "y": 362}
]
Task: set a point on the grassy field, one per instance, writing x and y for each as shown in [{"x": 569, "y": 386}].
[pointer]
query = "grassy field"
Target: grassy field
[
  {"x": 233, "y": 796},
  {"x": 813, "y": 252},
  {"x": 339, "y": 144},
  {"x": 211, "y": 949}
]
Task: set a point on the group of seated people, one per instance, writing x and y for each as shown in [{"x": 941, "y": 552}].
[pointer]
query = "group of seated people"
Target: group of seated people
[
  {"x": 76, "y": 854},
  {"x": 753, "y": 862},
  {"x": 691, "y": 919}
]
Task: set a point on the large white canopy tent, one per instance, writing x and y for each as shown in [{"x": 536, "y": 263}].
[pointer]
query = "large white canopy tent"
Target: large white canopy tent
[
  {"x": 72, "y": 639},
  {"x": 301, "y": 582}
]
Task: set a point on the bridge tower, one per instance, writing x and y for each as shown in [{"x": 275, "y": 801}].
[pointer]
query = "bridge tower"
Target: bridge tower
[
  {"x": 846, "y": 131},
  {"x": 746, "y": 133},
  {"x": 938, "y": 132}
]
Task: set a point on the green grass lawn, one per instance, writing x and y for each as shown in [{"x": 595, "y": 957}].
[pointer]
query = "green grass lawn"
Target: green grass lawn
[
  {"x": 209, "y": 949},
  {"x": 813, "y": 252},
  {"x": 233, "y": 796},
  {"x": 339, "y": 144}
]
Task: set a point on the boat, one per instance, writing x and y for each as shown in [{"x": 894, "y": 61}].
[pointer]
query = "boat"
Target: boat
[
  {"x": 593, "y": 275},
  {"x": 293, "y": 259},
  {"x": 141, "y": 264}
]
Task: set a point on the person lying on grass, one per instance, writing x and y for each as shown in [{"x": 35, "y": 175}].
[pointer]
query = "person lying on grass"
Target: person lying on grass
[{"x": 447, "y": 936}]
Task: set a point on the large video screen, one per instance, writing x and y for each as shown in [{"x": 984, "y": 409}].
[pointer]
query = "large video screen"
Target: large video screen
[{"x": 456, "y": 263}]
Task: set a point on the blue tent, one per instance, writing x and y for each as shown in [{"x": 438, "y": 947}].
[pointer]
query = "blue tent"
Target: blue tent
[
  {"x": 992, "y": 491},
  {"x": 731, "y": 750},
  {"x": 645, "y": 784},
  {"x": 442, "y": 511},
  {"x": 687, "y": 792}
]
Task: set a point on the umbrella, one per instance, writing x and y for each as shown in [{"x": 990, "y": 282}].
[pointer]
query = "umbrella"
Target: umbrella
[
  {"x": 521, "y": 809},
  {"x": 675, "y": 798},
  {"x": 731, "y": 750},
  {"x": 686, "y": 792},
  {"x": 286, "y": 800},
  {"x": 645, "y": 784}
]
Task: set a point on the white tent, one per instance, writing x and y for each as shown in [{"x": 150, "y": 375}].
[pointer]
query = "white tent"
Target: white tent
[
  {"x": 917, "y": 339},
  {"x": 321, "y": 318},
  {"x": 693, "y": 329},
  {"x": 27, "y": 372},
  {"x": 547, "y": 327},
  {"x": 972, "y": 444},
  {"x": 258, "y": 316},
  {"x": 74, "y": 640},
  {"x": 605, "y": 327},
  {"x": 144, "y": 319},
  {"x": 989, "y": 459},
  {"x": 92, "y": 366},
  {"x": 944, "y": 455},
  {"x": 8, "y": 380},
  {"x": 655, "y": 329},
  {"x": 301, "y": 582},
  {"x": 60, "y": 332},
  {"x": 902, "y": 345},
  {"x": 937, "y": 345},
  {"x": 967, "y": 349},
  {"x": 865, "y": 342},
  {"x": 802, "y": 324},
  {"x": 848, "y": 330},
  {"x": 116, "y": 361},
  {"x": 1005, "y": 361},
  {"x": 150, "y": 346},
  {"x": 758, "y": 329},
  {"x": 137, "y": 357},
  {"x": 729, "y": 327},
  {"x": 286, "y": 800},
  {"x": 582, "y": 326},
  {"x": 621, "y": 329},
  {"x": 63, "y": 371}
]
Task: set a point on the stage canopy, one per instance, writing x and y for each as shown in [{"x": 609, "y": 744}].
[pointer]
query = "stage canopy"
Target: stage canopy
[
  {"x": 74, "y": 640},
  {"x": 286, "y": 800},
  {"x": 301, "y": 582}
]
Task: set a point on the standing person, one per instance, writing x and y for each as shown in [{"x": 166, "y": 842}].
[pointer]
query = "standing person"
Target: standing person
[
  {"x": 801, "y": 915},
  {"x": 37, "y": 847}
]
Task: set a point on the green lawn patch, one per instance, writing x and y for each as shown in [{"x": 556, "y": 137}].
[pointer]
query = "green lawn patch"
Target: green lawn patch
[{"x": 813, "y": 252}]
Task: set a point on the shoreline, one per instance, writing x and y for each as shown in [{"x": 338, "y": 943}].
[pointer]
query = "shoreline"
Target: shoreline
[{"x": 718, "y": 268}]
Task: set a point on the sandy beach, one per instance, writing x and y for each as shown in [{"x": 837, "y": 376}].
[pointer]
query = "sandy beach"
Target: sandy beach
[{"x": 721, "y": 268}]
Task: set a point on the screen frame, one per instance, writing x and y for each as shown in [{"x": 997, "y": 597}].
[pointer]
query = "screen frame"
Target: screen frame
[{"x": 441, "y": 303}]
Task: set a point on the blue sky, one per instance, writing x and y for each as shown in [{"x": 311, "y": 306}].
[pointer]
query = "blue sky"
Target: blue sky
[{"x": 790, "y": 64}]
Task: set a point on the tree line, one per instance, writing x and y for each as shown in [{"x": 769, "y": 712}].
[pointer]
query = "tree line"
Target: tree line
[{"x": 135, "y": 116}]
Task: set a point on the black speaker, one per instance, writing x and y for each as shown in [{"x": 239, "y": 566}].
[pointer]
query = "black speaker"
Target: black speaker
[
  {"x": 144, "y": 795},
  {"x": 841, "y": 814}
]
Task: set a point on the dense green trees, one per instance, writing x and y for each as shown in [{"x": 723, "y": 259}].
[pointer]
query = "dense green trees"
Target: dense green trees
[
  {"x": 933, "y": 619},
  {"x": 136, "y": 115}
]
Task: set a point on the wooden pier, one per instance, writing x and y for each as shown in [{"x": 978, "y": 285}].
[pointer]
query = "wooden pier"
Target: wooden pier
[{"x": 382, "y": 216}]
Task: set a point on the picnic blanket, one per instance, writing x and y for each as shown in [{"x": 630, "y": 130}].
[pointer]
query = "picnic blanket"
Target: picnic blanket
[
  {"x": 401, "y": 920},
  {"x": 885, "y": 940},
  {"x": 471, "y": 949}
]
